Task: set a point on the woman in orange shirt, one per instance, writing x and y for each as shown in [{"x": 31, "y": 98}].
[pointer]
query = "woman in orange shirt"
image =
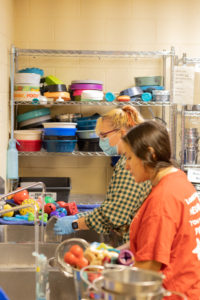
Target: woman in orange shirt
[{"x": 165, "y": 232}]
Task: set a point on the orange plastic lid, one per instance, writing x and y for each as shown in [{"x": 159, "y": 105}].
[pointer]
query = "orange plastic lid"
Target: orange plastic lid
[
  {"x": 123, "y": 98},
  {"x": 56, "y": 95}
]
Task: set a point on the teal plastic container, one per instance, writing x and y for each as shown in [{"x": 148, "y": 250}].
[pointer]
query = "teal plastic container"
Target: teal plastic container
[{"x": 33, "y": 114}]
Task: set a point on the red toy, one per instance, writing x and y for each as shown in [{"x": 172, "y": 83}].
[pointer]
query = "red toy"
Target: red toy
[
  {"x": 71, "y": 208},
  {"x": 61, "y": 203},
  {"x": 49, "y": 207},
  {"x": 20, "y": 196}
]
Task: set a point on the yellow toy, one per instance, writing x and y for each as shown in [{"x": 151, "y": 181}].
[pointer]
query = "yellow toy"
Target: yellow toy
[
  {"x": 9, "y": 214},
  {"x": 24, "y": 211}
]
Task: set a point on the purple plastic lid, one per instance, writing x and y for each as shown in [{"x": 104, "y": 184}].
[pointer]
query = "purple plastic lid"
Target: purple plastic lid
[{"x": 86, "y": 86}]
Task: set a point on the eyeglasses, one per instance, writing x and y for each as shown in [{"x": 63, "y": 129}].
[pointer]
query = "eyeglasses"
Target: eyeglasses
[{"x": 104, "y": 134}]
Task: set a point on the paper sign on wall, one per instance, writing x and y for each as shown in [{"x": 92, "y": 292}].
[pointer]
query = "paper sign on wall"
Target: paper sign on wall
[
  {"x": 184, "y": 84},
  {"x": 193, "y": 175}
]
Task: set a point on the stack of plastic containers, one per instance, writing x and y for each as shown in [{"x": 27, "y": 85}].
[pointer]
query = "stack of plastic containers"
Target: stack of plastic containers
[
  {"x": 34, "y": 118},
  {"x": 59, "y": 137},
  {"x": 54, "y": 88},
  {"x": 27, "y": 84},
  {"x": 152, "y": 89},
  {"x": 28, "y": 140},
  {"x": 87, "y": 137},
  {"x": 86, "y": 90}
]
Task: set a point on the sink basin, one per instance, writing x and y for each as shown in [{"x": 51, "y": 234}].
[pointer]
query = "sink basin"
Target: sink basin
[
  {"x": 26, "y": 234},
  {"x": 17, "y": 233},
  {"x": 17, "y": 265},
  {"x": 19, "y": 284},
  {"x": 20, "y": 255},
  {"x": 17, "y": 272}
]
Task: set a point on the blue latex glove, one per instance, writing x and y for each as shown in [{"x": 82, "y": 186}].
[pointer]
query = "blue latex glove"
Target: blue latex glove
[{"x": 64, "y": 225}]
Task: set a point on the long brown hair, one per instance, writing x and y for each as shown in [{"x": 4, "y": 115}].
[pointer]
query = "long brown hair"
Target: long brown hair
[{"x": 150, "y": 142}]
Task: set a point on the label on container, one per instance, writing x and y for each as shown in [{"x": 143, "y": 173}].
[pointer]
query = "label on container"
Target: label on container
[
  {"x": 193, "y": 175},
  {"x": 35, "y": 195}
]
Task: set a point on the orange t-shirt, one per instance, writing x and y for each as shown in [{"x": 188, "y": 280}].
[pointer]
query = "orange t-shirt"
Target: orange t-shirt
[{"x": 167, "y": 229}]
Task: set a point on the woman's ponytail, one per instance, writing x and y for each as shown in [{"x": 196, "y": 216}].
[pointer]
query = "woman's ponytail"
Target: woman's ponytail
[{"x": 133, "y": 116}]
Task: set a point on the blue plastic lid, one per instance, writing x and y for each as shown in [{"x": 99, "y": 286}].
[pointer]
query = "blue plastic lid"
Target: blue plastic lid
[
  {"x": 32, "y": 70},
  {"x": 109, "y": 96},
  {"x": 146, "y": 97}
]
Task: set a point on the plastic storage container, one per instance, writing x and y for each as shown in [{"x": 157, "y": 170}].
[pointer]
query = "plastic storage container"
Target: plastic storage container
[
  {"x": 60, "y": 131},
  {"x": 161, "y": 96},
  {"x": 55, "y": 137},
  {"x": 59, "y": 145},
  {"x": 59, "y": 125},
  {"x": 149, "y": 80},
  {"x": 86, "y": 134},
  {"x": 28, "y": 135},
  {"x": 59, "y": 187},
  {"x": 86, "y": 124},
  {"x": 92, "y": 117},
  {"x": 33, "y": 114},
  {"x": 89, "y": 145},
  {"x": 24, "y": 145},
  {"x": 35, "y": 122}
]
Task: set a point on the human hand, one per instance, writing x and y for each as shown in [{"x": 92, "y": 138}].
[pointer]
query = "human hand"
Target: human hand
[{"x": 64, "y": 225}]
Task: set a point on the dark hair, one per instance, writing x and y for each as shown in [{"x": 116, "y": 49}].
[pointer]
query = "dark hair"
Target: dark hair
[{"x": 150, "y": 142}]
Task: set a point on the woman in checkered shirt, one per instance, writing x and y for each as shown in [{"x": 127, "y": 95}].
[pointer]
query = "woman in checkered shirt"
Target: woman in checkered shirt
[{"x": 124, "y": 196}]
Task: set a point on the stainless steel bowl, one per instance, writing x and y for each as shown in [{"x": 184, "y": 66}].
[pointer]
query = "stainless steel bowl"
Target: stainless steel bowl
[
  {"x": 68, "y": 117},
  {"x": 132, "y": 281}
]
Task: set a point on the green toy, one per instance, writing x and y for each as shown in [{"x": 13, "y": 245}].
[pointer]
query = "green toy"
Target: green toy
[
  {"x": 45, "y": 219},
  {"x": 49, "y": 199},
  {"x": 31, "y": 217}
]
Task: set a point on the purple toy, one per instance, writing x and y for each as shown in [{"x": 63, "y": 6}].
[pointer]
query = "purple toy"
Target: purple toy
[
  {"x": 62, "y": 215},
  {"x": 55, "y": 213}
]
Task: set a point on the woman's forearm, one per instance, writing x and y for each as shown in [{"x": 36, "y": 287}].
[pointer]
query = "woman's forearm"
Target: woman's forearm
[{"x": 124, "y": 246}]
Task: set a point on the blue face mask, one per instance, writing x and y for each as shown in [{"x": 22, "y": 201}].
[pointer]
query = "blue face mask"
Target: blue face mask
[{"x": 105, "y": 146}]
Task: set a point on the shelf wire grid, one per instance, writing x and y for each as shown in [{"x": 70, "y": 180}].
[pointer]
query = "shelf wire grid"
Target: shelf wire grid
[
  {"x": 74, "y": 153},
  {"x": 95, "y": 53},
  {"x": 99, "y": 103}
]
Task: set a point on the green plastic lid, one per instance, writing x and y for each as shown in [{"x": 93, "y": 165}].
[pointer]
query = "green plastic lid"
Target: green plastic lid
[
  {"x": 53, "y": 80},
  {"x": 33, "y": 114}
]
